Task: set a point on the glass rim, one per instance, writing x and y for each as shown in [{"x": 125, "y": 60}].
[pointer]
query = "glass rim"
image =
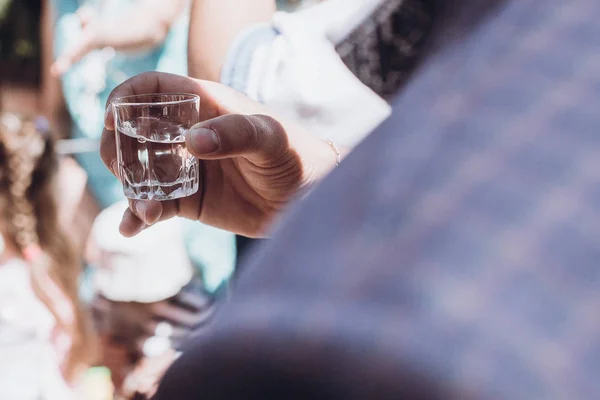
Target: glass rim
[{"x": 188, "y": 98}]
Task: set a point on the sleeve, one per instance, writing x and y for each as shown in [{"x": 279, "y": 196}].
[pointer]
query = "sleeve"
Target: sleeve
[{"x": 297, "y": 72}]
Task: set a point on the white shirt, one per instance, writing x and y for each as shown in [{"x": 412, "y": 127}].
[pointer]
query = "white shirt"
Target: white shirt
[{"x": 29, "y": 368}]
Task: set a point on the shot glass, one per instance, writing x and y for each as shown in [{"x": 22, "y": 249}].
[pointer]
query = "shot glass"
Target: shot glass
[{"x": 153, "y": 161}]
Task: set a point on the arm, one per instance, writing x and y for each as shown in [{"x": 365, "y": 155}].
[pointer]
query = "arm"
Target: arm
[
  {"x": 147, "y": 24},
  {"x": 214, "y": 25},
  {"x": 52, "y": 103},
  {"x": 144, "y": 27}
]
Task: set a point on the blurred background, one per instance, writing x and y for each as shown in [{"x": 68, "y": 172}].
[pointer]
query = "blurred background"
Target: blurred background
[{"x": 20, "y": 55}]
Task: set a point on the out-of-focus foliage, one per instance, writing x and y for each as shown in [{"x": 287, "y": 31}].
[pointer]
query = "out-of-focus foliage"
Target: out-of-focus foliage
[
  {"x": 4, "y": 7},
  {"x": 20, "y": 40}
]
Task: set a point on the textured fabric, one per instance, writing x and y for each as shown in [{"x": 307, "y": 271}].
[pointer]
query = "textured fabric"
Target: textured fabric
[
  {"x": 383, "y": 49},
  {"x": 455, "y": 253},
  {"x": 237, "y": 67}
]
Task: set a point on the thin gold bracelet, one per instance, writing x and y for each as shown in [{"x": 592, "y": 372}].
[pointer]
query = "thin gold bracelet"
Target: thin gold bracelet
[{"x": 338, "y": 156}]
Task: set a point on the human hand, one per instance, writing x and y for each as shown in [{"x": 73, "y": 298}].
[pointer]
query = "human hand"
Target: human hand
[{"x": 251, "y": 165}]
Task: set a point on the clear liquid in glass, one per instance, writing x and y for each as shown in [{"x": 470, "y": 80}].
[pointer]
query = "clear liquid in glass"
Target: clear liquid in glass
[{"x": 154, "y": 162}]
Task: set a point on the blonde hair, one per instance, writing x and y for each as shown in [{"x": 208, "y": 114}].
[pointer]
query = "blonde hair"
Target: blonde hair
[{"x": 28, "y": 166}]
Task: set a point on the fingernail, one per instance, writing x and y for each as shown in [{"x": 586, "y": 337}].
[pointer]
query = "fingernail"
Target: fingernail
[
  {"x": 204, "y": 141},
  {"x": 127, "y": 227},
  {"x": 107, "y": 112},
  {"x": 113, "y": 168},
  {"x": 140, "y": 209},
  {"x": 153, "y": 212}
]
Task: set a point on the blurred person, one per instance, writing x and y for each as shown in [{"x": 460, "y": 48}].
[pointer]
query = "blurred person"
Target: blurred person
[
  {"x": 45, "y": 339},
  {"x": 452, "y": 255},
  {"x": 318, "y": 66}
]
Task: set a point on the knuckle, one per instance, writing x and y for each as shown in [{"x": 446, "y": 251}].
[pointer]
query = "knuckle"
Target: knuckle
[
  {"x": 271, "y": 126},
  {"x": 273, "y": 132},
  {"x": 250, "y": 131}
]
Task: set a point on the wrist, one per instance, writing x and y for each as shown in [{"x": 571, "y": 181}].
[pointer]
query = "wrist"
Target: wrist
[
  {"x": 336, "y": 150},
  {"x": 326, "y": 156}
]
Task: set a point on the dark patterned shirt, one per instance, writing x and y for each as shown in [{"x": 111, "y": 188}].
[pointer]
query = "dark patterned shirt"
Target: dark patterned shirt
[
  {"x": 384, "y": 48},
  {"x": 456, "y": 252}
]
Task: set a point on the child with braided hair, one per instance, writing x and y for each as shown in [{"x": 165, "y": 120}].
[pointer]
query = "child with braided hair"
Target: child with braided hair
[{"x": 39, "y": 269}]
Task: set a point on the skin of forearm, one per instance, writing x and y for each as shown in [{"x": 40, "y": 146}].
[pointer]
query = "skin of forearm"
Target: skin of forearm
[
  {"x": 214, "y": 25},
  {"x": 51, "y": 102}
]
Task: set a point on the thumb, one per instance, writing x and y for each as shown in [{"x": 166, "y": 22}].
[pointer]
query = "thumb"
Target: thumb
[{"x": 258, "y": 138}]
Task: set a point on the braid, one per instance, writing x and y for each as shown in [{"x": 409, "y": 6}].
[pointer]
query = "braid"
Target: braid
[
  {"x": 23, "y": 154},
  {"x": 30, "y": 214}
]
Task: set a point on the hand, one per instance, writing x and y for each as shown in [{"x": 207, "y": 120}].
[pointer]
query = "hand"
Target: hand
[{"x": 251, "y": 164}]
